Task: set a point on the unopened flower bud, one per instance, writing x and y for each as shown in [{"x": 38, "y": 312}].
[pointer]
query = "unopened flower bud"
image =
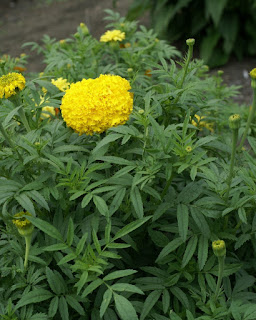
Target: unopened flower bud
[
  {"x": 141, "y": 111},
  {"x": 219, "y": 248},
  {"x": 220, "y": 72},
  {"x": 234, "y": 121},
  {"x": 24, "y": 226},
  {"x": 188, "y": 149},
  {"x": 190, "y": 42},
  {"x": 84, "y": 28}
]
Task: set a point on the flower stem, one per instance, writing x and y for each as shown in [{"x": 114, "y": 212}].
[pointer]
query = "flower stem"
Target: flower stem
[
  {"x": 232, "y": 161},
  {"x": 189, "y": 57},
  {"x": 220, "y": 275},
  {"x": 249, "y": 120},
  {"x": 28, "y": 243},
  {"x": 9, "y": 141}
]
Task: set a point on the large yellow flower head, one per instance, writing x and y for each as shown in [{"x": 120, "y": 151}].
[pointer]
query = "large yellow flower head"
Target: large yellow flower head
[
  {"x": 94, "y": 105},
  {"x": 11, "y": 82},
  {"x": 61, "y": 84},
  {"x": 114, "y": 35}
]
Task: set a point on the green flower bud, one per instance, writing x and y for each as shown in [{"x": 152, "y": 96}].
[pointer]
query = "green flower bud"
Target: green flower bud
[
  {"x": 24, "y": 226},
  {"x": 234, "y": 121},
  {"x": 84, "y": 28},
  {"x": 188, "y": 149},
  {"x": 220, "y": 73},
  {"x": 219, "y": 248},
  {"x": 190, "y": 42}
]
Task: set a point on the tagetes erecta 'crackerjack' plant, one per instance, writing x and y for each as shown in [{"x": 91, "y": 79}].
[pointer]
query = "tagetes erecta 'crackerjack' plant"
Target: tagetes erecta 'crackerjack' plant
[
  {"x": 10, "y": 83},
  {"x": 114, "y": 35},
  {"x": 25, "y": 229},
  {"x": 95, "y": 105}
]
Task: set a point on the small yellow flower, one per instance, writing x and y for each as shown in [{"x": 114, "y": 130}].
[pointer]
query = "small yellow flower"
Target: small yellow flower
[
  {"x": 61, "y": 84},
  {"x": 22, "y": 55},
  {"x": 114, "y": 35},
  {"x": 23, "y": 225},
  {"x": 94, "y": 105},
  {"x": 202, "y": 124},
  {"x": 47, "y": 112},
  {"x": 10, "y": 83}
]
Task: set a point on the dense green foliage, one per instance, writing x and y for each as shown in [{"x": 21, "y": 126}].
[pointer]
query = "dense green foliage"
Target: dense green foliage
[
  {"x": 124, "y": 221},
  {"x": 221, "y": 27}
]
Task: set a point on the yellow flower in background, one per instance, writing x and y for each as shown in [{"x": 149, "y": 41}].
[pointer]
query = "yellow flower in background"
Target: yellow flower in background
[
  {"x": 10, "y": 83},
  {"x": 94, "y": 105},
  {"x": 253, "y": 73},
  {"x": 61, "y": 84},
  {"x": 47, "y": 112},
  {"x": 202, "y": 124},
  {"x": 114, "y": 35}
]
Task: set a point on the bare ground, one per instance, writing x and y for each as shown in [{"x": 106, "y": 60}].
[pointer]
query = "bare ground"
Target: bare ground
[{"x": 28, "y": 20}]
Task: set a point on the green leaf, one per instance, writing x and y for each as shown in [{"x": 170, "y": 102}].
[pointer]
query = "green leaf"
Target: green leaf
[
  {"x": 202, "y": 251},
  {"x": 101, "y": 205},
  {"x": 74, "y": 304},
  {"x": 166, "y": 300},
  {"x": 243, "y": 283},
  {"x": 173, "y": 245},
  {"x": 53, "y": 307},
  {"x": 125, "y": 308},
  {"x": 119, "y": 274},
  {"x": 81, "y": 281},
  {"x": 86, "y": 200},
  {"x": 70, "y": 234},
  {"x": 174, "y": 316},
  {"x": 67, "y": 258},
  {"x": 181, "y": 296},
  {"x": 250, "y": 313},
  {"x": 91, "y": 287},
  {"x": 130, "y": 227},
  {"x": 208, "y": 44},
  {"x": 52, "y": 280},
  {"x": 56, "y": 247},
  {"x": 125, "y": 287},
  {"x": 35, "y": 195},
  {"x": 109, "y": 138},
  {"x": 117, "y": 200},
  {"x": 183, "y": 217},
  {"x": 105, "y": 302},
  {"x": 63, "y": 308},
  {"x": 116, "y": 160},
  {"x": 69, "y": 148},
  {"x": 149, "y": 303},
  {"x": 46, "y": 228},
  {"x": 96, "y": 241},
  {"x": 81, "y": 243},
  {"x": 215, "y": 9},
  {"x": 190, "y": 249},
  {"x": 200, "y": 221},
  {"x": 137, "y": 202},
  {"x": 34, "y": 296},
  {"x": 26, "y": 203},
  {"x": 118, "y": 245}
]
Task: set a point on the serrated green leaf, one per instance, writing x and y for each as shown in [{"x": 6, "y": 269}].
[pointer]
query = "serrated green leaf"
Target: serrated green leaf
[
  {"x": 119, "y": 274},
  {"x": 173, "y": 245},
  {"x": 105, "y": 302},
  {"x": 166, "y": 300},
  {"x": 56, "y": 247},
  {"x": 63, "y": 308},
  {"x": 46, "y": 227},
  {"x": 26, "y": 203},
  {"x": 149, "y": 303},
  {"x": 34, "y": 296},
  {"x": 125, "y": 308},
  {"x": 125, "y": 287},
  {"x": 70, "y": 233},
  {"x": 190, "y": 250},
  {"x": 137, "y": 202},
  {"x": 202, "y": 251},
  {"x": 81, "y": 243},
  {"x": 67, "y": 258},
  {"x": 86, "y": 200},
  {"x": 91, "y": 287},
  {"x": 74, "y": 304},
  {"x": 130, "y": 227},
  {"x": 53, "y": 307},
  {"x": 101, "y": 205},
  {"x": 182, "y": 217},
  {"x": 81, "y": 281}
]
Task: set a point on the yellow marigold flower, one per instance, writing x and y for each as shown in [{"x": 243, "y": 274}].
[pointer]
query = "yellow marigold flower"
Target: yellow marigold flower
[
  {"x": 23, "y": 225},
  {"x": 10, "y": 83},
  {"x": 47, "y": 112},
  {"x": 61, "y": 84},
  {"x": 94, "y": 105},
  {"x": 202, "y": 124},
  {"x": 114, "y": 35}
]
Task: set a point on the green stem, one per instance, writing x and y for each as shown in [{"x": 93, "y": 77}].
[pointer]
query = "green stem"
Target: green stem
[
  {"x": 220, "y": 275},
  {"x": 24, "y": 119},
  {"x": 232, "y": 161},
  {"x": 190, "y": 55},
  {"x": 168, "y": 183},
  {"x": 9, "y": 141},
  {"x": 248, "y": 124},
  {"x": 28, "y": 243}
]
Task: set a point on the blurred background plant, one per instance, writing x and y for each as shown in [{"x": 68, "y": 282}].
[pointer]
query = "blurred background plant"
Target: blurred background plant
[{"x": 222, "y": 28}]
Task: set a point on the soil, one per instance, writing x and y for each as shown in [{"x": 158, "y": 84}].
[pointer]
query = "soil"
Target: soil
[{"x": 24, "y": 21}]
